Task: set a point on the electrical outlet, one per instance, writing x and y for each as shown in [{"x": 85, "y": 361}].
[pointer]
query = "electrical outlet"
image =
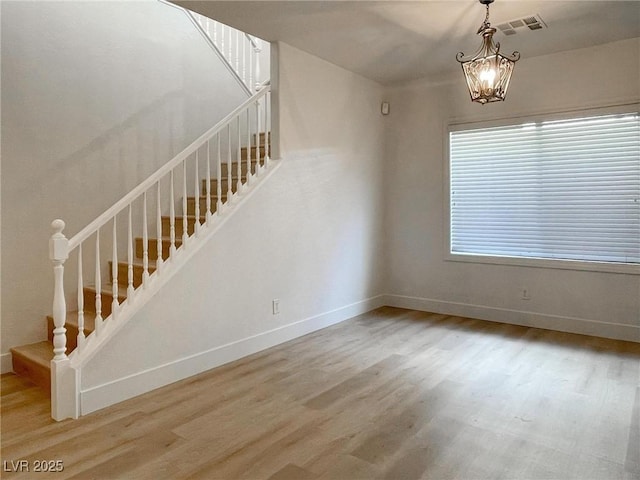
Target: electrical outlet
[
  {"x": 275, "y": 306},
  {"x": 525, "y": 294}
]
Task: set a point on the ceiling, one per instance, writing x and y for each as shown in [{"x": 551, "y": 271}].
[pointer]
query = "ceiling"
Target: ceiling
[{"x": 397, "y": 41}]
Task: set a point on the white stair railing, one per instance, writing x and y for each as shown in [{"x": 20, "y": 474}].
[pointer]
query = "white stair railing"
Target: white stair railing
[
  {"x": 239, "y": 49},
  {"x": 238, "y": 135}
]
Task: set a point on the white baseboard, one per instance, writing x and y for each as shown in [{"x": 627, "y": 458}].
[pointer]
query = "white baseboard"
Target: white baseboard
[
  {"x": 582, "y": 326},
  {"x": 101, "y": 396},
  {"x": 6, "y": 365}
]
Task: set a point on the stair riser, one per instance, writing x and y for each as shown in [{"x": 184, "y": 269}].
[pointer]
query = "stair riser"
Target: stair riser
[
  {"x": 166, "y": 226},
  {"x": 153, "y": 247},
  {"x": 234, "y": 169},
  {"x": 35, "y": 372},
  {"x": 191, "y": 206},
  {"x": 72, "y": 331},
  {"x": 224, "y": 185},
  {"x": 107, "y": 300},
  {"x": 123, "y": 274},
  {"x": 262, "y": 135},
  {"x": 245, "y": 151}
]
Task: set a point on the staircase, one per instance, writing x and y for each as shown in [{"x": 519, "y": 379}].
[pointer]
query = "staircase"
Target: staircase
[{"x": 34, "y": 361}]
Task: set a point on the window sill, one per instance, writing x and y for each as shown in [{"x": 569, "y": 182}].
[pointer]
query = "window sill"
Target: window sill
[{"x": 604, "y": 267}]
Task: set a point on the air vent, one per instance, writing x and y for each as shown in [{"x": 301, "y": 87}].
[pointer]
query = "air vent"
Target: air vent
[{"x": 529, "y": 22}]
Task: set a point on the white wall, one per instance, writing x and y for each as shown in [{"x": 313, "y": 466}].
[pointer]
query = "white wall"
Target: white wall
[
  {"x": 95, "y": 97},
  {"x": 605, "y": 304},
  {"x": 310, "y": 237}
]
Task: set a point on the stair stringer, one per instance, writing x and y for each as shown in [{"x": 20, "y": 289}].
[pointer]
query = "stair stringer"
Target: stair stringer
[{"x": 66, "y": 375}]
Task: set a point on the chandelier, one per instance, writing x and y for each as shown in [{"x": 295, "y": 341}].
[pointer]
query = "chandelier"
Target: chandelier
[{"x": 488, "y": 71}]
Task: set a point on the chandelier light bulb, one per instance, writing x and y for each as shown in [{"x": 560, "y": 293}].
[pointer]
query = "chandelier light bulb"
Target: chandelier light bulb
[{"x": 487, "y": 77}]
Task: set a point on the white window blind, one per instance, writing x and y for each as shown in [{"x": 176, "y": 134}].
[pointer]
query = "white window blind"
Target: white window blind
[{"x": 567, "y": 189}]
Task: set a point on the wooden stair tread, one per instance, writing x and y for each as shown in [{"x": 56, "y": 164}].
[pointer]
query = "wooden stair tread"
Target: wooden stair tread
[
  {"x": 254, "y": 163},
  {"x": 108, "y": 290},
  {"x": 224, "y": 179},
  {"x": 179, "y": 217},
  {"x": 39, "y": 352},
  {"x": 164, "y": 238},
  {"x": 204, "y": 197},
  {"x": 72, "y": 320},
  {"x": 137, "y": 262},
  {"x": 191, "y": 198}
]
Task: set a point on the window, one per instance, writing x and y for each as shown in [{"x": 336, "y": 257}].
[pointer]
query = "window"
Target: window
[{"x": 567, "y": 190}]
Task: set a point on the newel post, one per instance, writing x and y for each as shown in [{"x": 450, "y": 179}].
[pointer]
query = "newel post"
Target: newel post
[
  {"x": 58, "y": 253},
  {"x": 64, "y": 402}
]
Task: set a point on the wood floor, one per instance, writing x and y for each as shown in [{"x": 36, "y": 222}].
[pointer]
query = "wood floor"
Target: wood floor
[{"x": 394, "y": 394}]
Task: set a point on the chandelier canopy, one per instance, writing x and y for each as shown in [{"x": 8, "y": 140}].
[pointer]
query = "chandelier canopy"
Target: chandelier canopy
[{"x": 488, "y": 71}]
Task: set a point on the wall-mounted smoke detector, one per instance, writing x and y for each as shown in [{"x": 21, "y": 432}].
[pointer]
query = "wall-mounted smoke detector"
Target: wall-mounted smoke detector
[{"x": 530, "y": 22}]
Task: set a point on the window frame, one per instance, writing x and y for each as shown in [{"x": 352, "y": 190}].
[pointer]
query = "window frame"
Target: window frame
[{"x": 538, "y": 262}]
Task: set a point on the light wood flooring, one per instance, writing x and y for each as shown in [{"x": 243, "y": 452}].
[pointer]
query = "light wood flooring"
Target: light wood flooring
[{"x": 394, "y": 394}]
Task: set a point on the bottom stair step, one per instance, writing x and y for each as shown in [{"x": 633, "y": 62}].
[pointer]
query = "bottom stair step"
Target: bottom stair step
[{"x": 33, "y": 361}]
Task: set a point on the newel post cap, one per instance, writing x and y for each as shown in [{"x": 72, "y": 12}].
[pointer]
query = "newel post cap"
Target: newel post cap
[{"x": 58, "y": 243}]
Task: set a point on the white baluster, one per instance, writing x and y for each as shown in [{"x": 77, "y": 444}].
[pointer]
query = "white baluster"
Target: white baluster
[
  {"x": 145, "y": 242},
  {"x": 114, "y": 274},
  {"x": 223, "y": 29},
  {"x": 269, "y": 127},
  {"x": 81, "y": 336},
  {"x": 130, "y": 288},
  {"x": 215, "y": 34},
  {"x": 98, "y": 321},
  {"x": 257, "y": 69},
  {"x": 172, "y": 221},
  {"x": 208, "y": 181},
  {"x": 196, "y": 227},
  {"x": 266, "y": 129},
  {"x": 237, "y": 51},
  {"x": 158, "y": 229},
  {"x": 185, "y": 220},
  {"x": 249, "y": 176},
  {"x": 58, "y": 253},
  {"x": 252, "y": 54},
  {"x": 219, "y": 180},
  {"x": 258, "y": 137},
  {"x": 229, "y": 164},
  {"x": 244, "y": 60},
  {"x": 239, "y": 162}
]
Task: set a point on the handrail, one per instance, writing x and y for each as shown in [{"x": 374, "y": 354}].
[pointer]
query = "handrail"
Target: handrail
[{"x": 87, "y": 231}]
